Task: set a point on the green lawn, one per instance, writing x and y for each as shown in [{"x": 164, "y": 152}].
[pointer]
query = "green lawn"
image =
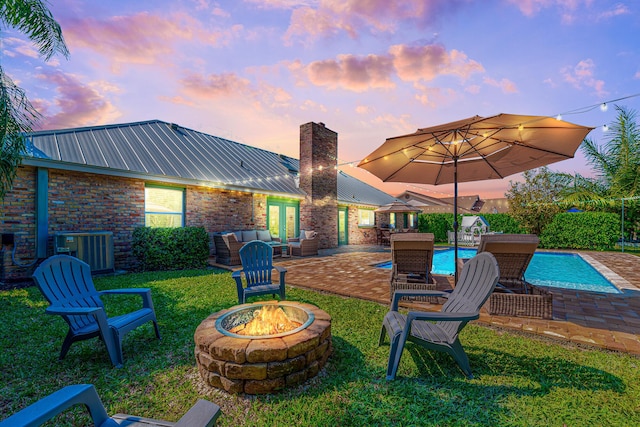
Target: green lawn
[{"x": 520, "y": 380}]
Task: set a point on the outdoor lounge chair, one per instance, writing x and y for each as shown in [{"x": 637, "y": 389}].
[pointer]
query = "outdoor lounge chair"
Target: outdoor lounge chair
[
  {"x": 66, "y": 282},
  {"x": 515, "y": 296},
  {"x": 257, "y": 266},
  {"x": 202, "y": 414},
  {"x": 439, "y": 330},
  {"x": 513, "y": 253},
  {"x": 411, "y": 260}
]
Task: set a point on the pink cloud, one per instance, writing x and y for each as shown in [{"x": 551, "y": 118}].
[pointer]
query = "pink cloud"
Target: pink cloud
[
  {"x": 617, "y": 10},
  {"x": 215, "y": 85},
  {"x": 143, "y": 38},
  {"x": 13, "y": 46},
  {"x": 75, "y": 105},
  {"x": 427, "y": 62},
  {"x": 566, "y": 8},
  {"x": 354, "y": 16},
  {"x": 352, "y": 72},
  {"x": 408, "y": 63},
  {"x": 582, "y": 75},
  {"x": 506, "y": 85}
]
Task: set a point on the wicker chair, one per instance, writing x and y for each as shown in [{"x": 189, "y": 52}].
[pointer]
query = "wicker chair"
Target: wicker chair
[
  {"x": 411, "y": 259},
  {"x": 515, "y": 296},
  {"x": 305, "y": 245}
]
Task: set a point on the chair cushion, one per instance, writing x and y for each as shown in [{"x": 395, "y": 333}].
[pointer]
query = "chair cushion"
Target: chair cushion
[
  {"x": 264, "y": 235},
  {"x": 302, "y": 235},
  {"x": 238, "y": 235},
  {"x": 309, "y": 234},
  {"x": 232, "y": 237},
  {"x": 249, "y": 235}
]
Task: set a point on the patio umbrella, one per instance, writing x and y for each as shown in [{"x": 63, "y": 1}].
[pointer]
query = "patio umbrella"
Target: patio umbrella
[{"x": 474, "y": 149}]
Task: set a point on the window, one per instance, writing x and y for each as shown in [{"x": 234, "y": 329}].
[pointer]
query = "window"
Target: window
[
  {"x": 392, "y": 220},
  {"x": 163, "y": 207},
  {"x": 366, "y": 218}
]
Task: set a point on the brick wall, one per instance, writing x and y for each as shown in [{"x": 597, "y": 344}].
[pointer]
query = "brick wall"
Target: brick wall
[
  {"x": 91, "y": 202},
  {"x": 319, "y": 179},
  {"x": 359, "y": 235}
]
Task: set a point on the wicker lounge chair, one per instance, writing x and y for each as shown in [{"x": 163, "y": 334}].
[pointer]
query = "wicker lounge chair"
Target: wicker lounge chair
[
  {"x": 411, "y": 259},
  {"x": 515, "y": 296},
  {"x": 202, "y": 414},
  {"x": 257, "y": 266},
  {"x": 476, "y": 282},
  {"x": 66, "y": 283}
]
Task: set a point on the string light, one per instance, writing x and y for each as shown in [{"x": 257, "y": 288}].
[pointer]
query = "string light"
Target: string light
[{"x": 604, "y": 106}]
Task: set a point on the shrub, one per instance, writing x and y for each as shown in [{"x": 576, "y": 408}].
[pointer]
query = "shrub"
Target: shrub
[
  {"x": 583, "y": 230},
  {"x": 436, "y": 223},
  {"x": 171, "y": 248},
  {"x": 505, "y": 223}
]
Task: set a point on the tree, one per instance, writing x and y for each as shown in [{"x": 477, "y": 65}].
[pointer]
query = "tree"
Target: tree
[
  {"x": 534, "y": 202},
  {"x": 17, "y": 115},
  {"x": 617, "y": 172}
]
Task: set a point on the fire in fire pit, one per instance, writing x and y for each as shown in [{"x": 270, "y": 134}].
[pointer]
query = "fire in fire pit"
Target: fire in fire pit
[
  {"x": 267, "y": 320},
  {"x": 263, "y": 347}
]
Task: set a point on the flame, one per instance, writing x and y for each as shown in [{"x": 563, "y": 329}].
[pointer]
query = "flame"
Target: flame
[{"x": 270, "y": 320}]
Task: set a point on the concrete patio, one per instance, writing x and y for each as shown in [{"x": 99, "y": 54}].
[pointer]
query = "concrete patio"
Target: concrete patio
[{"x": 609, "y": 321}]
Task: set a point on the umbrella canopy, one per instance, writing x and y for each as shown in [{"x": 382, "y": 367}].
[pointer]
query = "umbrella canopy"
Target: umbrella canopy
[
  {"x": 474, "y": 149},
  {"x": 397, "y": 207}
]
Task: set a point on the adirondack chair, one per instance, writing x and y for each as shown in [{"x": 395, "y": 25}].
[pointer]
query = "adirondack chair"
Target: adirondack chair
[
  {"x": 66, "y": 283},
  {"x": 202, "y": 414},
  {"x": 257, "y": 266},
  {"x": 439, "y": 330}
]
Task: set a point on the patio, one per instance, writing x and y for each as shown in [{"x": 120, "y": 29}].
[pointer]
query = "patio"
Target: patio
[{"x": 609, "y": 321}]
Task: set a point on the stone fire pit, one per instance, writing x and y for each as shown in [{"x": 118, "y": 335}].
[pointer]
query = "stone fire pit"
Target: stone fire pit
[{"x": 257, "y": 364}]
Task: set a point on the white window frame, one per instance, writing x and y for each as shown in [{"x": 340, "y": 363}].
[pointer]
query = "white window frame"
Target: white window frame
[
  {"x": 148, "y": 211},
  {"x": 371, "y": 218}
]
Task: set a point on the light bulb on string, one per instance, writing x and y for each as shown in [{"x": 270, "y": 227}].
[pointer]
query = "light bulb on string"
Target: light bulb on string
[
  {"x": 605, "y": 128},
  {"x": 604, "y": 107},
  {"x": 559, "y": 117}
]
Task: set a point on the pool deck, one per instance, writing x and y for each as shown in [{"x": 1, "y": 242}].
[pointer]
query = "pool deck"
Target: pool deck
[{"x": 609, "y": 321}]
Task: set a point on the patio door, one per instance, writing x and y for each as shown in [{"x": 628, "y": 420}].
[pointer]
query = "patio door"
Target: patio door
[
  {"x": 282, "y": 218},
  {"x": 343, "y": 226}
]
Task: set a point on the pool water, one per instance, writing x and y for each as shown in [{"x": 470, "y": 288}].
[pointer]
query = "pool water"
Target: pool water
[{"x": 554, "y": 269}]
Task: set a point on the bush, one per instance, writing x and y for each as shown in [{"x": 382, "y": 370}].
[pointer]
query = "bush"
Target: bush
[
  {"x": 436, "y": 223},
  {"x": 583, "y": 230},
  {"x": 171, "y": 248},
  {"x": 504, "y": 223}
]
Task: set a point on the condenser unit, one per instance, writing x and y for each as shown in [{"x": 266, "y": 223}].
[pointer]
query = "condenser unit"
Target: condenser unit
[{"x": 95, "y": 248}]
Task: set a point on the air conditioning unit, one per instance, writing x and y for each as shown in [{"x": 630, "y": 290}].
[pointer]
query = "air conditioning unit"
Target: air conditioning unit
[{"x": 95, "y": 248}]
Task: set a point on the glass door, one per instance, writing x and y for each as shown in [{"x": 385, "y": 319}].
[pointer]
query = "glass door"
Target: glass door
[
  {"x": 282, "y": 218},
  {"x": 343, "y": 226}
]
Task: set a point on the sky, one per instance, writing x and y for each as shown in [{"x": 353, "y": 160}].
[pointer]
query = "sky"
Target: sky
[{"x": 253, "y": 71}]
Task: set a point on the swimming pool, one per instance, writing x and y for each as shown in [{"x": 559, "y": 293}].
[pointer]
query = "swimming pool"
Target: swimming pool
[{"x": 553, "y": 269}]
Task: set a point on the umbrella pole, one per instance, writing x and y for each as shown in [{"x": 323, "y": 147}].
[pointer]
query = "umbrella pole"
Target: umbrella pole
[{"x": 455, "y": 220}]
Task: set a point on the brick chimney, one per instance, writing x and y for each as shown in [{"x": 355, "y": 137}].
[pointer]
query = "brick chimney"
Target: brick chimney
[{"x": 319, "y": 179}]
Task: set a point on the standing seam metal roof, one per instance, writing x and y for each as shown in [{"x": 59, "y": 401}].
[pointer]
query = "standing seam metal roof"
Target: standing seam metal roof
[{"x": 158, "y": 148}]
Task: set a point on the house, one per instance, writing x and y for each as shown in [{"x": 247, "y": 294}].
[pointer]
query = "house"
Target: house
[
  {"x": 116, "y": 178},
  {"x": 466, "y": 204},
  {"x": 471, "y": 228}
]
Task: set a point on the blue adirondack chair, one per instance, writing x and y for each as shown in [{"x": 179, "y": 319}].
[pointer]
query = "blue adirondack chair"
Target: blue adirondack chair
[
  {"x": 202, "y": 414},
  {"x": 257, "y": 266},
  {"x": 66, "y": 283}
]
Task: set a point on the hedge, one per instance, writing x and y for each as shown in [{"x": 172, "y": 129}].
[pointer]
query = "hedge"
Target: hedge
[
  {"x": 582, "y": 230},
  {"x": 171, "y": 248}
]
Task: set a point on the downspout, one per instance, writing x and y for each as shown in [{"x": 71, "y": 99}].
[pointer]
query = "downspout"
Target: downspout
[{"x": 42, "y": 212}]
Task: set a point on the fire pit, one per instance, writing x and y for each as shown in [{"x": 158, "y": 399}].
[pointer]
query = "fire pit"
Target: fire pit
[{"x": 263, "y": 347}]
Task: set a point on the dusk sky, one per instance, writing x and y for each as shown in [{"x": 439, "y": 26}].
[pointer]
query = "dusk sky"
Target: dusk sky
[{"x": 253, "y": 71}]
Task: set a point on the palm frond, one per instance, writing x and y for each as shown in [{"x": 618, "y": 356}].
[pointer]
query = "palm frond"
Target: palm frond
[{"x": 34, "y": 19}]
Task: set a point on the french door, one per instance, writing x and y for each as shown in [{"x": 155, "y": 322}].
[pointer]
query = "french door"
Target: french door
[{"x": 283, "y": 218}]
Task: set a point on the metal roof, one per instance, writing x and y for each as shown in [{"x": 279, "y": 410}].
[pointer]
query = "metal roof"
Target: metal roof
[{"x": 168, "y": 152}]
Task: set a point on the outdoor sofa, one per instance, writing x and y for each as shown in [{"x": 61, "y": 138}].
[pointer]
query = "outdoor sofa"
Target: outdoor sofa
[{"x": 228, "y": 244}]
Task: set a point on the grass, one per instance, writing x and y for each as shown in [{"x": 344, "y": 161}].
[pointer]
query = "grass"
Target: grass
[{"x": 520, "y": 380}]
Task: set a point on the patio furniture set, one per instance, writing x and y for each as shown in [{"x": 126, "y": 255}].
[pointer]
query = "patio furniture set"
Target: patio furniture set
[
  {"x": 228, "y": 245},
  {"x": 499, "y": 266}
]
